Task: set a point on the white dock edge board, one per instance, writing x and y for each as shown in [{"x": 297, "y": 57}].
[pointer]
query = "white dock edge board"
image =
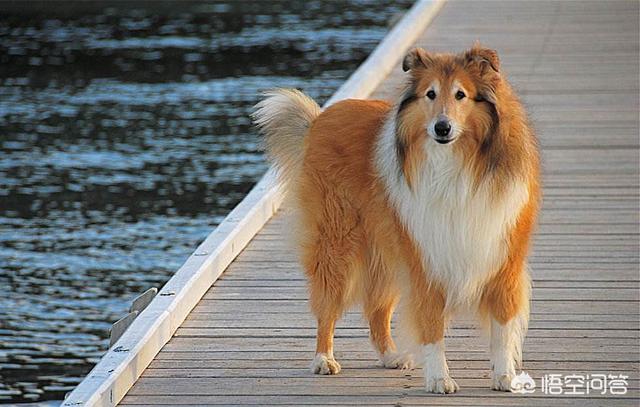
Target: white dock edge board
[{"x": 117, "y": 371}]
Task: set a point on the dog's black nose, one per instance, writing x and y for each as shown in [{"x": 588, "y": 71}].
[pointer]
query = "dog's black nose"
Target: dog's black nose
[{"x": 442, "y": 128}]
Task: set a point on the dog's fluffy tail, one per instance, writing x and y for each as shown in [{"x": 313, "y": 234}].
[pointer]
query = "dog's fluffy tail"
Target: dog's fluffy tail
[{"x": 284, "y": 117}]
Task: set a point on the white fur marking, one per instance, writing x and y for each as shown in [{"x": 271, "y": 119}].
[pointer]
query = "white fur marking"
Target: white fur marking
[
  {"x": 506, "y": 344},
  {"x": 461, "y": 231},
  {"x": 397, "y": 360},
  {"x": 502, "y": 347},
  {"x": 324, "y": 364},
  {"x": 436, "y": 371}
]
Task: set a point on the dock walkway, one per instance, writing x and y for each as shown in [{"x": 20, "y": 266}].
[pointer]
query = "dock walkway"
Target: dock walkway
[{"x": 250, "y": 339}]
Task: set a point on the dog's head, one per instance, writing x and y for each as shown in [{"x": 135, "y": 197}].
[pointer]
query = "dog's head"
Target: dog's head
[{"x": 449, "y": 96}]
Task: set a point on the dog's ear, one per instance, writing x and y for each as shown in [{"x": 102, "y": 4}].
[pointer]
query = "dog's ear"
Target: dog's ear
[
  {"x": 483, "y": 58},
  {"x": 415, "y": 58},
  {"x": 484, "y": 64}
]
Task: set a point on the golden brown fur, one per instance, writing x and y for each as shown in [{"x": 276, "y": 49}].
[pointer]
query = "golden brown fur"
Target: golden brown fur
[{"x": 355, "y": 245}]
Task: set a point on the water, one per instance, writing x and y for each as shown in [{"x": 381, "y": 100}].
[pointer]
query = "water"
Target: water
[{"x": 124, "y": 140}]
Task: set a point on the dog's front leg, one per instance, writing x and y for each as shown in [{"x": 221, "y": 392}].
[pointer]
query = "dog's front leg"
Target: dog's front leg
[
  {"x": 427, "y": 309},
  {"x": 507, "y": 300},
  {"x": 436, "y": 371},
  {"x": 506, "y": 343}
]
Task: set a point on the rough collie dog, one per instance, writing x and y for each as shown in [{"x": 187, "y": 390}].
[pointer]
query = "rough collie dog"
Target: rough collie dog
[{"x": 432, "y": 199}]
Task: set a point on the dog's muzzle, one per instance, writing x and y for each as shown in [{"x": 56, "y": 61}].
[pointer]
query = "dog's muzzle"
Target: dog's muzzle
[{"x": 442, "y": 130}]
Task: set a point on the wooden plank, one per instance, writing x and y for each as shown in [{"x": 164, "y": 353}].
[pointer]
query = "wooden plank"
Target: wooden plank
[
  {"x": 346, "y": 344},
  {"x": 453, "y": 355},
  {"x": 370, "y": 400},
  {"x": 540, "y": 294},
  {"x": 539, "y": 255},
  {"x": 301, "y": 386},
  {"x": 366, "y": 372},
  {"x": 359, "y": 367},
  {"x": 560, "y": 319},
  {"x": 258, "y": 331},
  {"x": 278, "y": 307},
  {"x": 302, "y": 282}
]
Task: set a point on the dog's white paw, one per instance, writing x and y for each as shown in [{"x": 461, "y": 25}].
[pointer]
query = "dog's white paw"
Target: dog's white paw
[
  {"x": 436, "y": 372},
  {"x": 441, "y": 385},
  {"x": 501, "y": 382},
  {"x": 323, "y": 364},
  {"x": 397, "y": 360}
]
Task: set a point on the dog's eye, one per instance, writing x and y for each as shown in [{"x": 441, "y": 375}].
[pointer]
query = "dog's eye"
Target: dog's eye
[
  {"x": 431, "y": 95},
  {"x": 460, "y": 95}
]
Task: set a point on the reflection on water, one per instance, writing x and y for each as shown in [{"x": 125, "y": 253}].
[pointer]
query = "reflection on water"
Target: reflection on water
[{"x": 124, "y": 139}]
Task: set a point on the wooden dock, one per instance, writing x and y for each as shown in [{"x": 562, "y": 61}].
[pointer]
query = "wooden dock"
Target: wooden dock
[{"x": 250, "y": 339}]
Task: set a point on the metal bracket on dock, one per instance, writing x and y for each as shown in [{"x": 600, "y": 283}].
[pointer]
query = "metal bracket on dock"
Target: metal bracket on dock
[
  {"x": 144, "y": 299},
  {"x": 137, "y": 306},
  {"x": 120, "y": 326}
]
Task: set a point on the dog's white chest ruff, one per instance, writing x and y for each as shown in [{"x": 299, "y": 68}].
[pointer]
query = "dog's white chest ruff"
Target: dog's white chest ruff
[{"x": 461, "y": 230}]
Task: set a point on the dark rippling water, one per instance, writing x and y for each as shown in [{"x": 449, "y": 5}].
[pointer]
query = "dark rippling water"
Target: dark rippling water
[{"x": 124, "y": 140}]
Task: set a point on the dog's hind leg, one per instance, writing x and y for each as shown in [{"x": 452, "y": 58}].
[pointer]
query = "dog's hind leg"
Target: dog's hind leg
[
  {"x": 380, "y": 298},
  {"x": 331, "y": 268},
  {"x": 380, "y": 335},
  {"x": 324, "y": 362},
  {"x": 328, "y": 301}
]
